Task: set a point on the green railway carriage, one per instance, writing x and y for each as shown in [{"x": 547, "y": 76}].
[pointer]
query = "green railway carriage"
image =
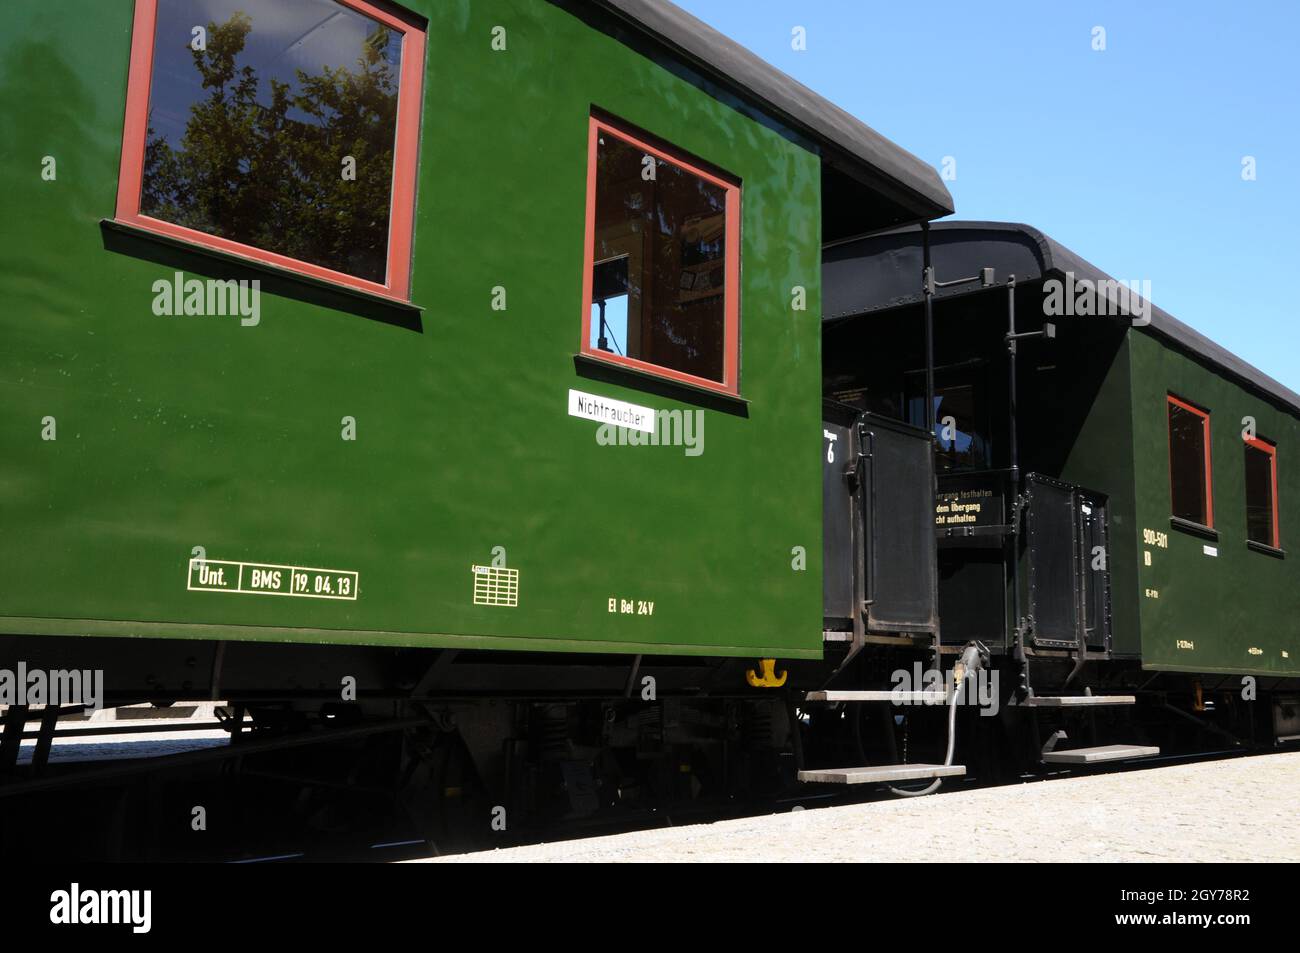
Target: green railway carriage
[
  {"x": 377, "y": 433},
  {"x": 1178, "y": 445},
  {"x": 1228, "y": 600}
]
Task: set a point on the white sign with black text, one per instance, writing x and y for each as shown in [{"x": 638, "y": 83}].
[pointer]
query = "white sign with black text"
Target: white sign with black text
[{"x": 606, "y": 410}]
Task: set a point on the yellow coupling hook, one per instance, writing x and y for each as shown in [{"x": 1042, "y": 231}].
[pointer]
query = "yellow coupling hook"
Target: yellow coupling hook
[{"x": 769, "y": 678}]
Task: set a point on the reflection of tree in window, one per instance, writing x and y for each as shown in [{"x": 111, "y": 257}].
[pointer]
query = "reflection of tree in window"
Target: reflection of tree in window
[
  {"x": 668, "y": 232},
  {"x": 247, "y": 138}
]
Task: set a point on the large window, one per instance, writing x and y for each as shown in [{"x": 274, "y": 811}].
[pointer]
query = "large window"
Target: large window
[
  {"x": 281, "y": 130},
  {"x": 663, "y": 262},
  {"x": 1261, "y": 493},
  {"x": 1190, "y": 487}
]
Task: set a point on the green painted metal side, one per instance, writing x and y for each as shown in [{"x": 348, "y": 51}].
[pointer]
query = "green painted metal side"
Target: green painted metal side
[
  {"x": 1100, "y": 458},
  {"x": 181, "y": 432},
  {"x": 1239, "y": 611}
]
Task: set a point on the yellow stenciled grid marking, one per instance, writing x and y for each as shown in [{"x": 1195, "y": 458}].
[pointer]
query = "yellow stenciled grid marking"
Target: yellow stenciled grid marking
[{"x": 495, "y": 587}]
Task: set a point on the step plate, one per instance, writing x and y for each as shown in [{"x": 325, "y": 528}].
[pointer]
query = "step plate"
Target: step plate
[
  {"x": 1076, "y": 701},
  {"x": 886, "y": 695},
  {"x": 1100, "y": 755},
  {"x": 882, "y": 774}
]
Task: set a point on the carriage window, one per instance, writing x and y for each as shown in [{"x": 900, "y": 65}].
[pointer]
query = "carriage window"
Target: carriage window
[
  {"x": 663, "y": 253},
  {"x": 961, "y": 431},
  {"x": 1189, "y": 463},
  {"x": 1261, "y": 493},
  {"x": 281, "y": 130}
]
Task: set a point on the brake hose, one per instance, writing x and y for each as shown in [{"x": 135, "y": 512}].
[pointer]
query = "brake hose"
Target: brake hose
[{"x": 952, "y": 744}]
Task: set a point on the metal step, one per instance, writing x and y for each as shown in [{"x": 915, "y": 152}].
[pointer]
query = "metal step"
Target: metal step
[
  {"x": 1076, "y": 701},
  {"x": 1101, "y": 754},
  {"x": 882, "y": 773},
  {"x": 886, "y": 695}
]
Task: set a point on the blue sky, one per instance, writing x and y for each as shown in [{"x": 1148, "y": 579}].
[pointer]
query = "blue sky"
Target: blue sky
[{"x": 1131, "y": 156}]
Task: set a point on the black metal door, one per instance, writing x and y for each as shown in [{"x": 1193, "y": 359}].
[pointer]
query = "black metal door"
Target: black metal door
[
  {"x": 1069, "y": 569},
  {"x": 1053, "y": 546},
  {"x": 897, "y": 477}
]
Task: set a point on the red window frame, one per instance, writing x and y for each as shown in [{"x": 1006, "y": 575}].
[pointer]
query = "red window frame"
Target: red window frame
[
  {"x": 402, "y": 210},
  {"x": 1209, "y": 474},
  {"x": 1271, "y": 450},
  {"x": 730, "y": 383}
]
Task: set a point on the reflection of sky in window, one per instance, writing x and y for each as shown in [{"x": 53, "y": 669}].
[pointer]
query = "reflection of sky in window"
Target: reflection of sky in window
[
  {"x": 286, "y": 36},
  {"x": 962, "y": 442},
  {"x": 615, "y": 324}
]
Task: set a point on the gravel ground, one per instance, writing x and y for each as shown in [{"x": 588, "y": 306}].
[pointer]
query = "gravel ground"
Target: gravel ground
[
  {"x": 113, "y": 747},
  {"x": 1243, "y": 809}
]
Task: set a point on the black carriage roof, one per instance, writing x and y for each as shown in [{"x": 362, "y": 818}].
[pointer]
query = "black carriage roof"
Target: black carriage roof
[
  {"x": 849, "y": 145},
  {"x": 880, "y": 272}
]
